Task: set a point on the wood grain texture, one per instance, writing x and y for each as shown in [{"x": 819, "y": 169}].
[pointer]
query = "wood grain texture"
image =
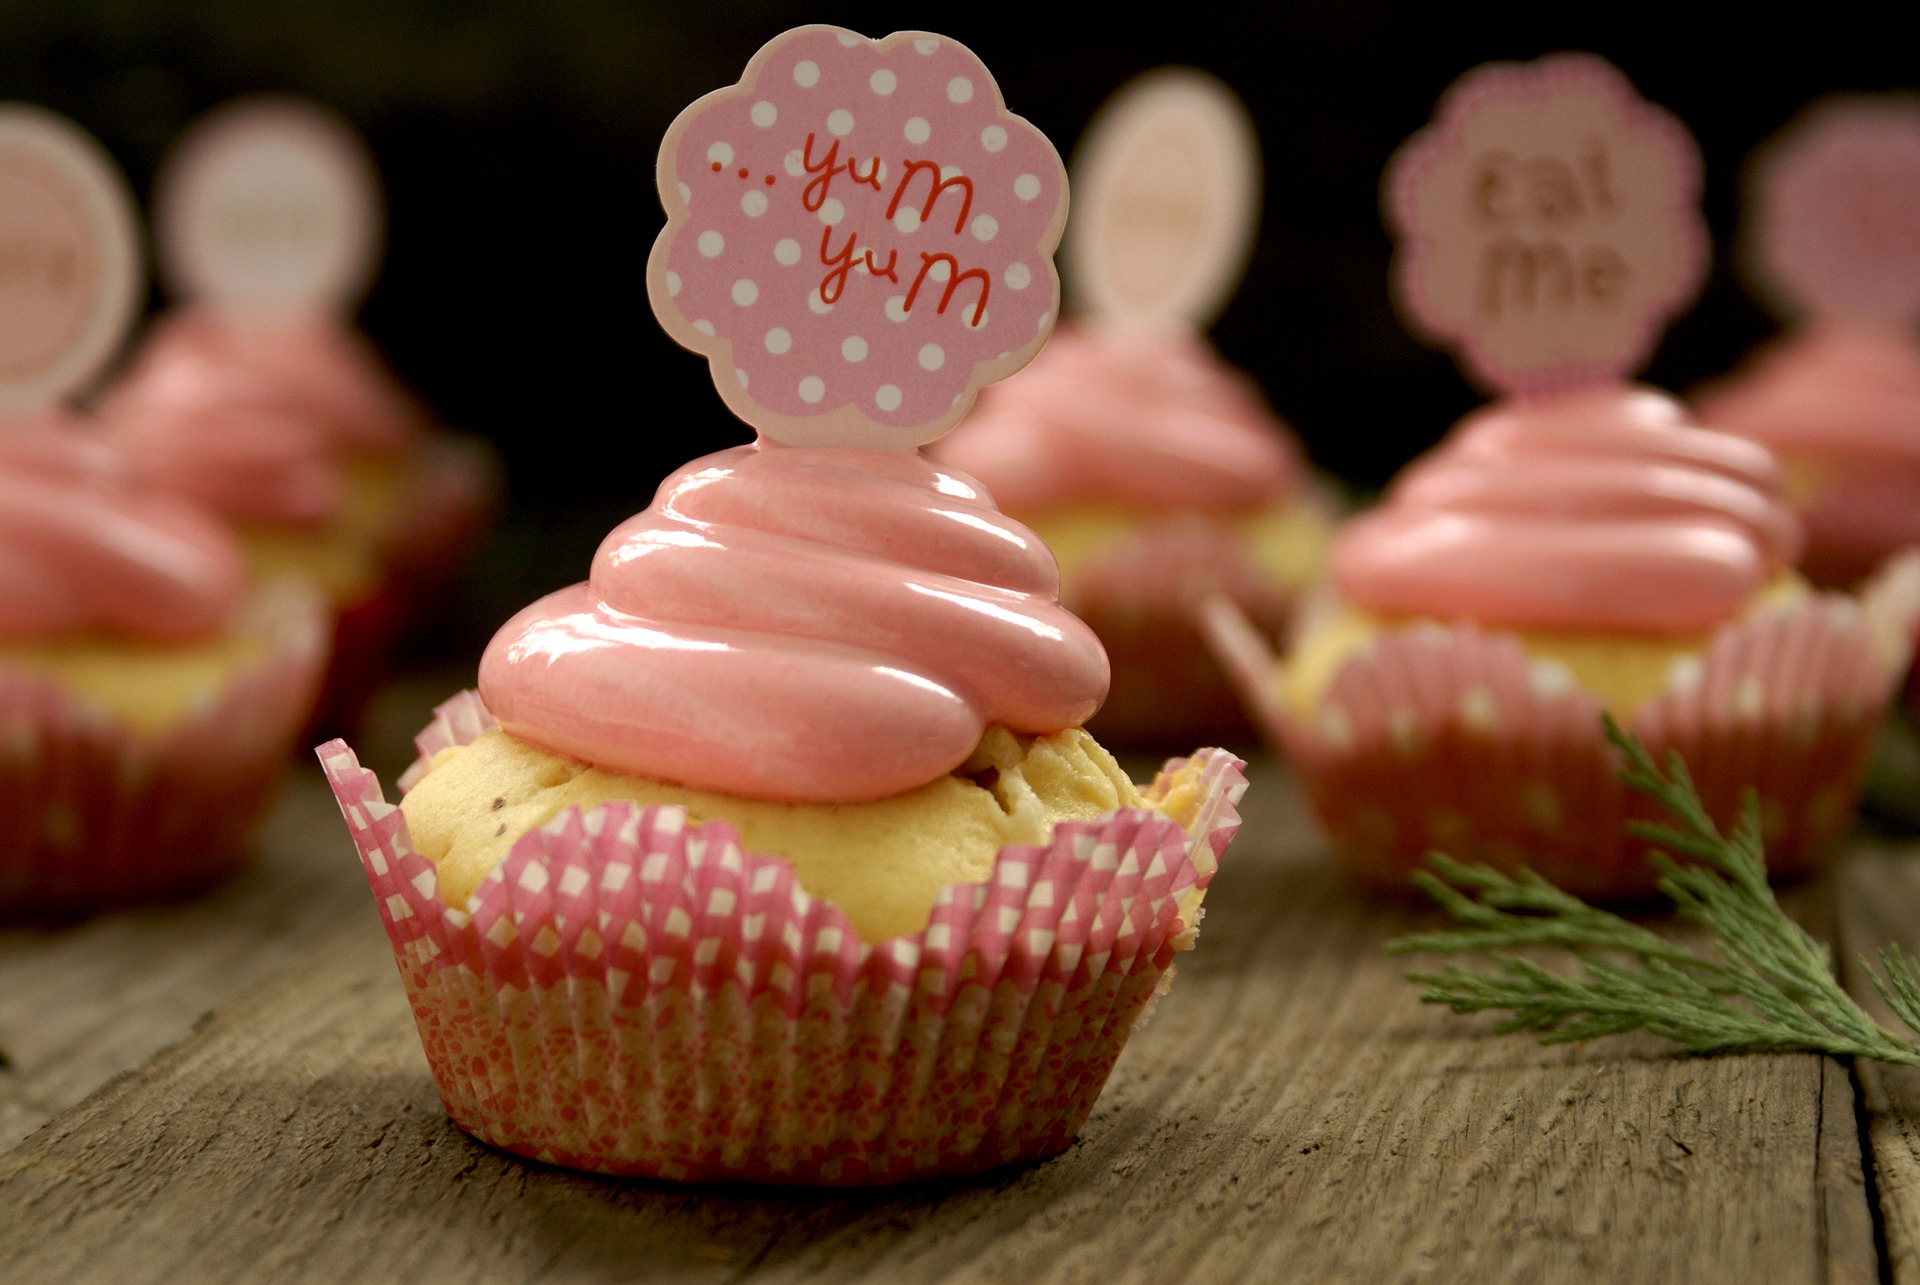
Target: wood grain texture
[
  {"x": 1879, "y": 903},
  {"x": 1290, "y": 1112},
  {"x": 82, "y": 1002}
]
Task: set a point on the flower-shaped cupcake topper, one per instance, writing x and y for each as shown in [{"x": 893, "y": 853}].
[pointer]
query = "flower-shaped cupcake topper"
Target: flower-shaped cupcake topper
[
  {"x": 1835, "y": 199},
  {"x": 72, "y": 254},
  {"x": 1166, "y": 185},
  {"x": 859, "y": 237},
  {"x": 269, "y": 205},
  {"x": 1548, "y": 223}
]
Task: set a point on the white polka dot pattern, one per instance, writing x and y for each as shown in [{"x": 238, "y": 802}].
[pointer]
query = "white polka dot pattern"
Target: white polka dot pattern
[{"x": 854, "y": 190}]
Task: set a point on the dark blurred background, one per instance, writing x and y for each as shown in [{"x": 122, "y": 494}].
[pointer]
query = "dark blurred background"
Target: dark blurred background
[{"x": 517, "y": 141}]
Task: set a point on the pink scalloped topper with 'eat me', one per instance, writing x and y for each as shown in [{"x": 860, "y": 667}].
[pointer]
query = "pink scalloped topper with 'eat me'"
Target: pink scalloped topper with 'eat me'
[
  {"x": 1548, "y": 223},
  {"x": 1836, "y": 198},
  {"x": 859, "y": 237}
]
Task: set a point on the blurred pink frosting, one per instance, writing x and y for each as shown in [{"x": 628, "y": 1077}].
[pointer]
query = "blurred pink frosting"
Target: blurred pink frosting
[
  {"x": 251, "y": 416},
  {"x": 1601, "y": 510},
  {"x": 1844, "y": 397},
  {"x": 799, "y": 624},
  {"x": 1127, "y": 412},
  {"x": 81, "y": 548}
]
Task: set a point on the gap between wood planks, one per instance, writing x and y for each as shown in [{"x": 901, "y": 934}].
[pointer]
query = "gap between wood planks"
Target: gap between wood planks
[{"x": 1289, "y": 1113}]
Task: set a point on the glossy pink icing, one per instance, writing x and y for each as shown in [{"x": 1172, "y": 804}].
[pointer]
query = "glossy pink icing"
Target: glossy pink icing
[
  {"x": 252, "y": 416},
  {"x": 82, "y": 549},
  {"x": 799, "y": 624},
  {"x": 1601, "y": 510},
  {"x": 1845, "y": 392},
  {"x": 1127, "y": 412},
  {"x": 1844, "y": 398}
]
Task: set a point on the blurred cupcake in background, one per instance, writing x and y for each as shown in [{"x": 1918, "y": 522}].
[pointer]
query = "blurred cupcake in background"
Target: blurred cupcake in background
[
  {"x": 258, "y": 398},
  {"x": 1833, "y": 241},
  {"x": 1156, "y": 473},
  {"x": 1577, "y": 547},
  {"x": 148, "y": 695}
]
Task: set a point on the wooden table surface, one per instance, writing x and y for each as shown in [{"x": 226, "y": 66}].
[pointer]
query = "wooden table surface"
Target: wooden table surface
[{"x": 231, "y": 1089}]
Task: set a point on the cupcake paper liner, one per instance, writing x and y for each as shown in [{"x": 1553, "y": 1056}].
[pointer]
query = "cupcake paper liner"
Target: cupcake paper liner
[
  {"x": 633, "y": 994},
  {"x": 93, "y": 812},
  {"x": 1449, "y": 738},
  {"x": 1139, "y": 597},
  {"x": 451, "y": 492}
]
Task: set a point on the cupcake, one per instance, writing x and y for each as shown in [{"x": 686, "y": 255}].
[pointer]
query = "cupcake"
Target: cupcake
[
  {"x": 294, "y": 432},
  {"x": 1578, "y": 547},
  {"x": 1838, "y": 396},
  {"x": 775, "y": 851},
  {"x": 259, "y": 398},
  {"x": 149, "y": 695},
  {"x": 1553, "y": 558},
  {"x": 1158, "y": 476}
]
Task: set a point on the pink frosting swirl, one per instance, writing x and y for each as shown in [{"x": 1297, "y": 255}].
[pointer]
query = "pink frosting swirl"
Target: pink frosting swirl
[
  {"x": 1840, "y": 391},
  {"x": 1601, "y": 510},
  {"x": 1845, "y": 398},
  {"x": 81, "y": 549},
  {"x": 799, "y": 624},
  {"x": 1125, "y": 412},
  {"x": 251, "y": 417}
]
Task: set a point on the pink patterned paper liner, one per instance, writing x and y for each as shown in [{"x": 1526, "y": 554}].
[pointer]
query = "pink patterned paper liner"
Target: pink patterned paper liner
[
  {"x": 93, "y": 812},
  {"x": 630, "y": 994},
  {"x": 859, "y": 237},
  {"x": 1139, "y": 596},
  {"x": 1414, "y": 246},
  {"x": 1447, "y": 737}
]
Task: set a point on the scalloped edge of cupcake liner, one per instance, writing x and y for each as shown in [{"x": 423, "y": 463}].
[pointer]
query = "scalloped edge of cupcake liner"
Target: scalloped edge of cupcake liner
[
  {"x": 93, "y": 812},
  {"x": 1449, "y": 738},
  {"x": 1166, "y": 685},
  {"x": 632, "y": 994}
]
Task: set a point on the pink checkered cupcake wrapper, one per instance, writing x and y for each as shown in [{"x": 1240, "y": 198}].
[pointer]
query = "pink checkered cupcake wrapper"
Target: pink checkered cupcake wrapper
[
  {"x": 1450, "y": 738},
  {"x": 92, "y": 812},
  {"x": 632, "y": 994}
]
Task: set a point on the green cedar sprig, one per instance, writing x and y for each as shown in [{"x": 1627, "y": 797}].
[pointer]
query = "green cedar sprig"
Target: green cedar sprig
[{"x": 1765, "y": 984}]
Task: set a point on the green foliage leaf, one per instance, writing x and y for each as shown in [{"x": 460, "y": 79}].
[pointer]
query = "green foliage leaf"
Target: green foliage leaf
[{"x": 1764, "y": 982}]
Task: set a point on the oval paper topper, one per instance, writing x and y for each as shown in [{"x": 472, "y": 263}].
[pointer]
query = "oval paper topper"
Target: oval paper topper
[
  {"x": 70, "y": 258},
  {"x": 1835, "y": 201},
  {"x": 269, "y": 205},
  {"x": 859, "y": 237},
  {"x": 1548, "y": 223},
  {"x": 1166, "y": 199}
]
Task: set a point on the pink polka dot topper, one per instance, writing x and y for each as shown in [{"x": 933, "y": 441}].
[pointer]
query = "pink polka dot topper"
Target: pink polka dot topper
[
  {"x": 1835, "y": 199},
  {"x": 859, "y": 237},
  {"x": 1548, "y": 223}
]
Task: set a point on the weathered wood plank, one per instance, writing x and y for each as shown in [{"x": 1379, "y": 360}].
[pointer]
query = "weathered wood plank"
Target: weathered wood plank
[
  {"x": 1879, "y": 902},
  {"x": 1289, "y": 1113},
  {"x": 82, "y": 1002}
]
